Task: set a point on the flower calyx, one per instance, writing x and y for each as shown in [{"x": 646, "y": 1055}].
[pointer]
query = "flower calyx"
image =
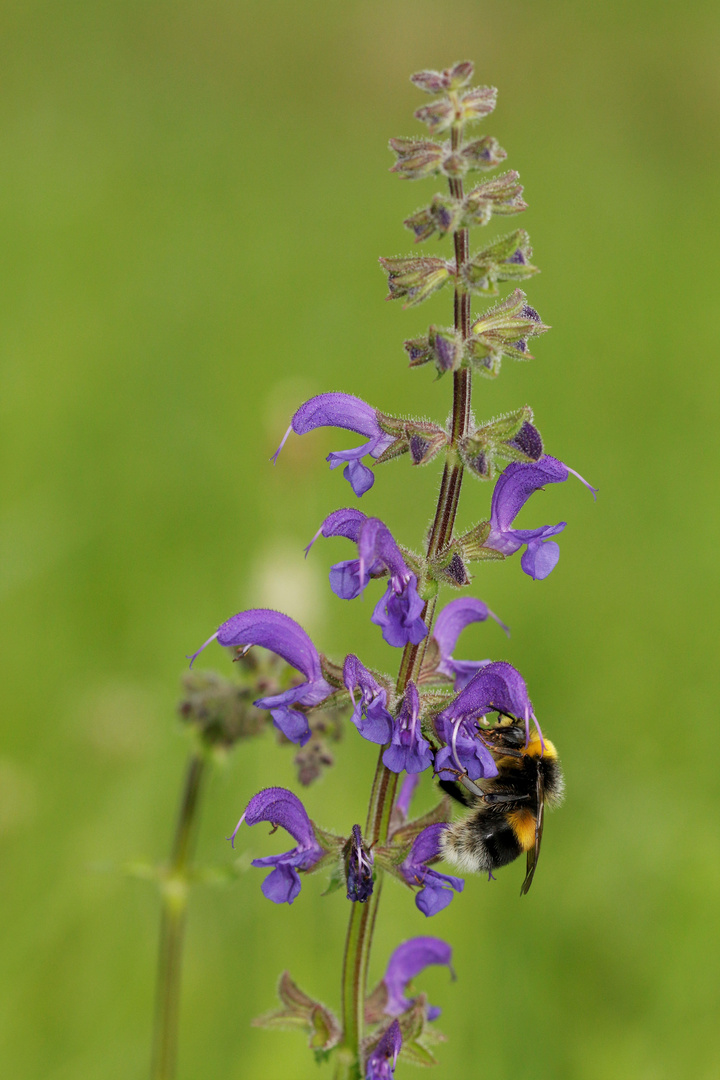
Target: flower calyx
[
  {"x": 510, "y": 437},
  {"x": 415, "y": 277},
  {"x": 454, "y": 109},
  {"x": 299, "y": 1011},
  {"x": 502, "y": 195},
  {"x": 503, "y": 331},
  {"x": 420, "y": 158},
  {"x": 422, "y": 439},
  {"x": 507, "y": 259}
]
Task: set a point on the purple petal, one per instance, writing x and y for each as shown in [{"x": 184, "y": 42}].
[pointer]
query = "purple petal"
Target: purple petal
[
  {"x": 370, "y": 714},
  {"x": 498, "y": 686},
  {"x": 359, "y": 476},
  {"x": 381, "y": 1061},
  {"x": 399, "y": 614},
  {"x": 274, "y": 631},
  {"x": 432, "y": 899},
  {"x": 455, "y": 616},
  {"x": 409, "y": 749},
  {"x": 282, "y": 886},
  {"x": 278, "y": 806},
  {"x": 406, "y": 962},
  {"x": 517, "y": 483},
  {"x": 336, "y": 410},
  {"x": 345, "y": 580},
  {"x": 426, "y": 845},
  {"x": 540, "y": 559}
]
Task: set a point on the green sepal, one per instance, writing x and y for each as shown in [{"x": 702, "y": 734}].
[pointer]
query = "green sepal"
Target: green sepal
[
  {"x": 449, "y": 568},
  {"x": 443, "y": 215},
  {"x": 302, "y": 1012},
  {"x": 422, "y": 439},
  {"x": 472, "y": 544},
  {"x": 507, "y": 259},
  {"x": 442, "y": 346},
  {"x": 483, "y": 154},
  {"x": 416, "y": 158},
  {"x": 337, "y": 880},
  {"x": 501, "y": 195},
  {"x": 491, "y": 446},
  {"x": 415, "y": 277}
]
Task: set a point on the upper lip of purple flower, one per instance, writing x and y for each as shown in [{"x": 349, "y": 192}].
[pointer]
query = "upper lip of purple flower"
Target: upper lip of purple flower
[
  {"x": 370, "y": 714},
  {"x": 512, "y": 490},
  {"x": 406, "y": 962},
  {"x": 381, "y": 1061},
  {"x": 282, "y": 635},
  {"x": 449, "y": 624},
  {"x": 349, "y": 412},
  {"x": 497, "y": 687}
]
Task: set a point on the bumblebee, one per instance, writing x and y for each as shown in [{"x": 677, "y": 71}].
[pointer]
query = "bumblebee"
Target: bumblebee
[{"x": 507, "y": 810}]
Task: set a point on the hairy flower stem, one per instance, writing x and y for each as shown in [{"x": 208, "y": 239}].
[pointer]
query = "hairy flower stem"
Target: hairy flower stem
[
  {"x": 174, "y": 891},
  {"x": 382, "y": 797}
]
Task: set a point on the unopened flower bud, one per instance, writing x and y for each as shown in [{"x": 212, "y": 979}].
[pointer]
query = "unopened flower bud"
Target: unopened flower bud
[
  {"x": 508, "y": 259},
  {"x": 417, "y": 158},
  {"x": 482, "y": 154},
  {"x": 415, "y": 277},
  {"x": 434, "y": 82}
]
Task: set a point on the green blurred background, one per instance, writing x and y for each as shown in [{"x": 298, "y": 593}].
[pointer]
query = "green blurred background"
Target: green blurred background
[{"x": 194, "y": 196}]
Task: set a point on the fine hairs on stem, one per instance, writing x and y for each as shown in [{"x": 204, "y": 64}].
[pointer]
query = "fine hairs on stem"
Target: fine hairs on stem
[{"x": 469, "y": 724}]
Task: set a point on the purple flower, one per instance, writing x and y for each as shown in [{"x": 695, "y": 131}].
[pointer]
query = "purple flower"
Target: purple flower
[
  {"x": 512, "y": 490},
  {"x": 344, "y": 411},
  {"x": 282, "y": 635},
  {"x": 408, "y": 960},
  {"x": 409, "y": 749},
  {"x": 451, "y": 621},
  {"x": 280, "y": 807},
  {"x": 370, "y": 715},
  {"x": 358, "y": 868},
  {"x": 496, "y": 687},
  {"x": 399, "y": 611},
  {"x": 381, "y": 1062},
  {"x": 436, "y": 891}
]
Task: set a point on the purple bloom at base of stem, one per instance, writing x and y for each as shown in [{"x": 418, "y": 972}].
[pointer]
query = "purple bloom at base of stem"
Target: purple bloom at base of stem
[
  {"x": 281, "y": 807},
  {"x": 353, "y": 414},
  {"x": 449, "y": 624},
  {"x": 436, "y": 889},
  {"x": 381, "y": 1062},
  {"x": 409, "y": 750},
  {"x": 512, "y": 490},
  {"x": 407, "y": 961},
  {"x": 370, "y": 715},
  {"x": 282, "y": 635}
]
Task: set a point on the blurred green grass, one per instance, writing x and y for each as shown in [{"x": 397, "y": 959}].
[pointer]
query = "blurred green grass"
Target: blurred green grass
[{"x": 194, "y": 197}]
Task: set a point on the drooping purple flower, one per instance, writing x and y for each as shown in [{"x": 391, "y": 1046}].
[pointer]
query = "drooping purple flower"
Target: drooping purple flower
[
  {"x": 358, "y": 868},
  {"x": 282, "y": 635},
  {"x": 399, "y": 611},
  {"x": 353, "y": 414},
  {"x": 370, "y": 715},
  {"x": 407, "y": 790},
  {"x": 381, "y": 1061},
  {"x": 512, "y": 490},
  {"x": 407, "y": 961},
  {"x": 409, "y": 749},
  {"x": 436, "y": 889},
  {"x": 449, "y": 624},
  {"x": 496, "y": 687},
  {"x": 280, "y": 807}
]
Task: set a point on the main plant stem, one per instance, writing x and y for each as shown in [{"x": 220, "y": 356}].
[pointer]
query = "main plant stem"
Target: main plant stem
[
  {"x": 382, "y": 795},
  {"x": 172, "y": 925}
]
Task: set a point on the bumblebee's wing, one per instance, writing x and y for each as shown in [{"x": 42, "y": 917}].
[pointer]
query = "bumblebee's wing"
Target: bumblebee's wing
[{"x": 534, "y": 852}]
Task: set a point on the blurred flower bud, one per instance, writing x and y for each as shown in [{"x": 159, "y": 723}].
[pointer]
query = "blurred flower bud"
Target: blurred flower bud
[
  {"x": 511, "y": 437},
  {"x": 434, "y": 82},
  {"x": 417, "y": 158}
]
